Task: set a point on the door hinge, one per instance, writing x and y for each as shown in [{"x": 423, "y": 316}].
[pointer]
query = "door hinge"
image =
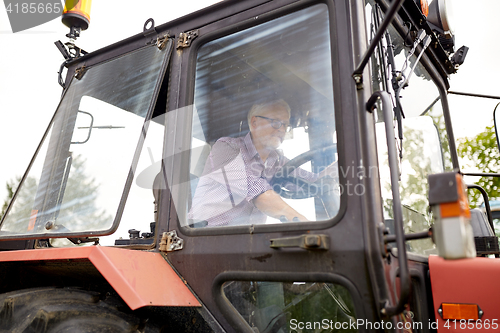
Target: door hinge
[
  {"x": 185, "y": 38},
  {"x": 80, "y": 72},
  {"x": 171, "y": 242},
  {"x": 162, "y": 41}
]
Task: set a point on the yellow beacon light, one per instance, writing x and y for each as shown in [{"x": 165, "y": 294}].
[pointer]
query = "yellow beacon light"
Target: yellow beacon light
[{"x": 77, "y": 14}]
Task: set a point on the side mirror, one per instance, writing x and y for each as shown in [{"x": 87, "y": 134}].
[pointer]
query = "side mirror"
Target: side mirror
[{"x": 496, "y": 124}]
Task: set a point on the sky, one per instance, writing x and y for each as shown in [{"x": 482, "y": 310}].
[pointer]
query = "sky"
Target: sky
[{"x": 29, "y": 62}]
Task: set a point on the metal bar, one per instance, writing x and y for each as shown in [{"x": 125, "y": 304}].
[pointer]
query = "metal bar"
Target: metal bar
[
  {"x": 430, "y": 106},
  {"x": 404, "y": 274},
  {"x": 481, "y": 174},
  {"x": 378, "y": 36},
  {"x": 417, "y": 235},
  {"x": 472, "y": 94}
]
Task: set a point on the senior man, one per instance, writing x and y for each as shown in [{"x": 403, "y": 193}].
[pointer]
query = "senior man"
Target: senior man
[{"x": 235, "y": 187}]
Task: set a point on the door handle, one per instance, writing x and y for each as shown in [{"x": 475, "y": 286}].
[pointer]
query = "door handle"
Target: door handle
[{"x": 308, "y": 242}]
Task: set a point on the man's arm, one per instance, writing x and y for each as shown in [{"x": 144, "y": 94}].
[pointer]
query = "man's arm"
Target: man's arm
[{"x": 271, "y": 204}]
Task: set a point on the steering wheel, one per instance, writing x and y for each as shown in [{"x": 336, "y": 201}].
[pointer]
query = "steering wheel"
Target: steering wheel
[{"x": 302, "y": 188}]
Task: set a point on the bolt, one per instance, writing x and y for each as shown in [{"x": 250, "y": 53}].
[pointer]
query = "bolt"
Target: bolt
[
  {"x": 481, "y": 312},
  {"x": 440, "y": 311}
]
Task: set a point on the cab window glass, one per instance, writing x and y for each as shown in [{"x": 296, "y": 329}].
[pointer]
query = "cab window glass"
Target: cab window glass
[
  {"x": 263, "y": 147},
  {"x": 292, "y": 306},
  {"x": 424, "y": 147}
]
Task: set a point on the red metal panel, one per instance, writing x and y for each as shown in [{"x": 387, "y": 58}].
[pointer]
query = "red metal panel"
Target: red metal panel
[
  {"x": 140, "y": 278},
  {"x": 471, "y": 281}
]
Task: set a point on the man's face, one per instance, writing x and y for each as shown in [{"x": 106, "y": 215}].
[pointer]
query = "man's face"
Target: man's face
[{"x": 262, "y": 130}]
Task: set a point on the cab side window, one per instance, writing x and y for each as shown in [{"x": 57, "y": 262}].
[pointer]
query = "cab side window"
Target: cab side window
[{"x": 263, "y": 98}]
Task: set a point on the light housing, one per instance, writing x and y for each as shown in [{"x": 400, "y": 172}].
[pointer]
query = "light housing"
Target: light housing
[
  {"x": 440, "y": 20},
  {"x": 452, "y": 230}
]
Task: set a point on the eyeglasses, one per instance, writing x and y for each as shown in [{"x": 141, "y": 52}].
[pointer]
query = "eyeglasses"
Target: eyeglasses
[{"x": 276, "y": 124}]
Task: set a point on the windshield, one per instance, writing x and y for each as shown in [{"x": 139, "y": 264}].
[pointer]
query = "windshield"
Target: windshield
[
  {"x": 87, "y": 159},
  {"x": 422, "y": 138}
]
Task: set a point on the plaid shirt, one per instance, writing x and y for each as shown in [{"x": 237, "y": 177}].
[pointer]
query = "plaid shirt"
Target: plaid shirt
[{"x": 233, "y": 176}]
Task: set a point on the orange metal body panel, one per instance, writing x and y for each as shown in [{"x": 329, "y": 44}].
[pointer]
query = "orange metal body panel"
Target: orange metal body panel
[
  {"x": 471, "y": 281},
  {"x": 140, "y": 278}
]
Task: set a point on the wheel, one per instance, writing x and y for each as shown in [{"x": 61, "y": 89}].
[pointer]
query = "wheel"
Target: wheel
[
  {"x": 303, "y": 189},
  {"x": 58, "y": 310}
]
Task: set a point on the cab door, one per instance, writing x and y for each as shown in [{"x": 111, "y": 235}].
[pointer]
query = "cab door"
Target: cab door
[{"x": 268, "y": 274}]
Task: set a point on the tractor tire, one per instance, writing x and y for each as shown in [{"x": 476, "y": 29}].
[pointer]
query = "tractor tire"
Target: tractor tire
[{"x": 58, "y": 310}]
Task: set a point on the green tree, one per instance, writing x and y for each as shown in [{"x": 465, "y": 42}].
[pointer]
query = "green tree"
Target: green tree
[
  {"x": 79, "y": 209},
  {"x": 11, "y": 186},
  {"x": 482, "y": 153},
  {"x": 21, "y": 210}
]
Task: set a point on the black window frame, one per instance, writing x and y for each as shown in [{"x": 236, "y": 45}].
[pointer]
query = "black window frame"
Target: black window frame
[{"x": 222, "y": 28}]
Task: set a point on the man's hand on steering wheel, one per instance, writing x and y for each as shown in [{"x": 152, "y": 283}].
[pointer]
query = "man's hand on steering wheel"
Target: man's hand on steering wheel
[{"x": 302, "y": 188}]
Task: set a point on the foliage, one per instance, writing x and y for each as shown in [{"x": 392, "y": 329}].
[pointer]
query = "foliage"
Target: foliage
[{"x": 481, "y": 152}]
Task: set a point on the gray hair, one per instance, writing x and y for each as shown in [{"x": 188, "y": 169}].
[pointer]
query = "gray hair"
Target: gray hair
[{"x": 258, "y": 109}]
